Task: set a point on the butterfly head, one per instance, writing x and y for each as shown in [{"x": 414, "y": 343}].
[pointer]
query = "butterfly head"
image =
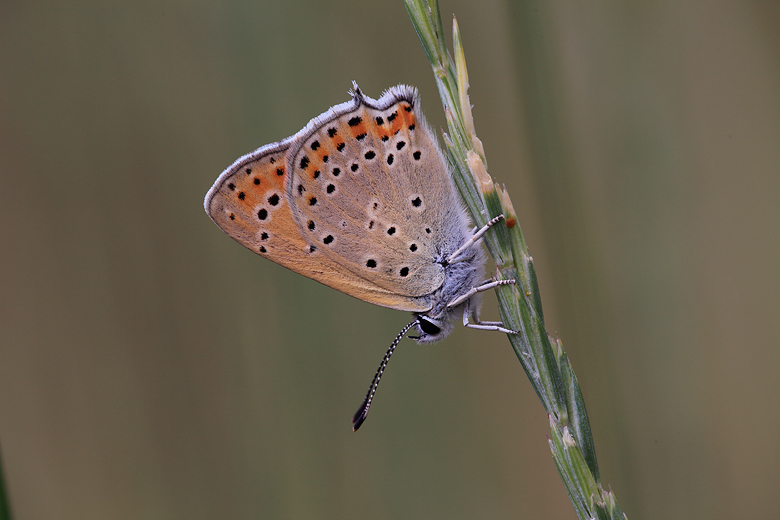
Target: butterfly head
[{"x": 431, "y": 330}]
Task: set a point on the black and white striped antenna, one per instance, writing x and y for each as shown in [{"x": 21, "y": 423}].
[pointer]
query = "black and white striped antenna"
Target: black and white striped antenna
[{"x": 362, "y": 412}]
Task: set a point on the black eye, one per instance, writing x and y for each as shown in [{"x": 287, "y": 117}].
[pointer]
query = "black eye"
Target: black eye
[{"x": 428, "y": 327}]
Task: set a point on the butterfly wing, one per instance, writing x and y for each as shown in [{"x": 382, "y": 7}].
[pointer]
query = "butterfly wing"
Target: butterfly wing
[
  {"x": 370, "y": 187},
  {"x": 248, "y": 202}
]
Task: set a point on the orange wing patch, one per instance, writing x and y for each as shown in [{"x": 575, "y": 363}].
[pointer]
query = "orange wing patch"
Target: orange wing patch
[{"x": 248, "y": 202}]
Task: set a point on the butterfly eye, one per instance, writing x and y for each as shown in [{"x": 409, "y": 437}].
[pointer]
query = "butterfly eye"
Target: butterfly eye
[{"x": 428, "y": 327}]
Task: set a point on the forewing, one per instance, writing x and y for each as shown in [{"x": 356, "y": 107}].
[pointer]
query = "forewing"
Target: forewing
[{"x": 370, "y": 186}]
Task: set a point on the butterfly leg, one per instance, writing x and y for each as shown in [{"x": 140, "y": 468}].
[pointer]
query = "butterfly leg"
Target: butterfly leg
[
  {"x": 481, "y": 288},
  {"x": 453, "y": 258},
  {"x": 484, "y": 325}
]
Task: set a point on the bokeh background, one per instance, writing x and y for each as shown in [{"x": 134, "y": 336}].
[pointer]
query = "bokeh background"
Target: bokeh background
[{"x": 150, "y": 367}]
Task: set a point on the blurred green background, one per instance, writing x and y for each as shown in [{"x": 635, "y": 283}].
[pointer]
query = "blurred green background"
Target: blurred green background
[{"x": 150, "y": 367}]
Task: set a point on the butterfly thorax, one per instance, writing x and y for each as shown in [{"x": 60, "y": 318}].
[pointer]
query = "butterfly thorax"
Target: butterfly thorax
[{"x": 459, "y": 278}]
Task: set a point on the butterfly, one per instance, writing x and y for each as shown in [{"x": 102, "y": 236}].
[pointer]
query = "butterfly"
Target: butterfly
[{"x": 362, "y": 200}]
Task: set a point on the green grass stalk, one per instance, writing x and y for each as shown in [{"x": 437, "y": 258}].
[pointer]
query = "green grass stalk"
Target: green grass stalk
[{"x": 520, "y": 306}]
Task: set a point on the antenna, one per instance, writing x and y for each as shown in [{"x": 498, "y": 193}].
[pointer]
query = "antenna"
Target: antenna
[{"x": 362, "y": 412}]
